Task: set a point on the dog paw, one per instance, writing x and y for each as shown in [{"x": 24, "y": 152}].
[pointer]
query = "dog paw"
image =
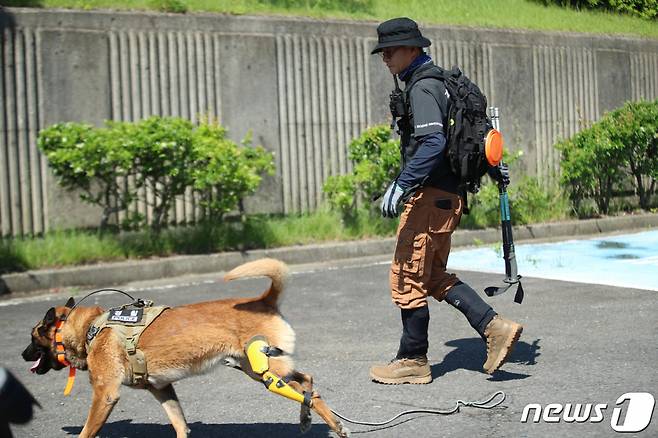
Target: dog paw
[
  {"x": 305, "y": 420},
  {"x": 341, "y": 431}
]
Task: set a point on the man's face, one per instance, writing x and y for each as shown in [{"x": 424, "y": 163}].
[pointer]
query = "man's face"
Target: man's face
[{"x": 399, "y": 57}]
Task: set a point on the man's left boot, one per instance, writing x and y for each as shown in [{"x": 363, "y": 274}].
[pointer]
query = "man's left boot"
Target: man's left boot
[{"x": 501, "y": 335}]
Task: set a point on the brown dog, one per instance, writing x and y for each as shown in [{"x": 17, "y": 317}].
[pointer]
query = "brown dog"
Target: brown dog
[{"x": 181, "y": 342}]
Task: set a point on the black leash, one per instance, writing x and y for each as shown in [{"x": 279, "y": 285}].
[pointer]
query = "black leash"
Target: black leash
[
  {"x": 136, "y": 302},
  {"x": 472, "y": 404}
]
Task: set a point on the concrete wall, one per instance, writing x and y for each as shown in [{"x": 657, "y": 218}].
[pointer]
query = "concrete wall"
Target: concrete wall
[{"x": 304, "y": 87}]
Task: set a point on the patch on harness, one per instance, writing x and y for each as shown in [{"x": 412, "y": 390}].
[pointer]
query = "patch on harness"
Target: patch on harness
[{"x": 128, "y": 316}]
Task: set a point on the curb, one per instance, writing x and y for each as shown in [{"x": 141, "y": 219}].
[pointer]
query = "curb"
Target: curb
[{"x": 108, "y": 274}]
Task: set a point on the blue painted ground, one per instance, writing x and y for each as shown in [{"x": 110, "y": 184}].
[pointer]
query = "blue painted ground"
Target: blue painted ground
[{"x": 629, "y": 260}]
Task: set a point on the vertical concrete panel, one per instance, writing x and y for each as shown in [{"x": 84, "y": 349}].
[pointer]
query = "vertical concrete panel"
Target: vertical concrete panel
[
  {"x": 249, "y": 103},
  {"x": 307, "y": 129},
  {"x": 164, "y": 41},
  {"x": 5, "y": 203},
  {"x": 76, "y": 83},
  {"x": 32, "y": 95},
  {"x": 283, "y": 158},
  {"x": 343, "y": 112},
  {"x": 292, "y": 120},
  {"x": 22, "y": 135},
  {"x": 536, "y": 56},
  {"x": 323, "y": 109},
  {"x": 314, "y": 82},
  {"x": 514, "y": 95},
  {"x": 217, "y": 76},
  {"x": 12, "y": 134},
  {"x": 298, "y": 165}
]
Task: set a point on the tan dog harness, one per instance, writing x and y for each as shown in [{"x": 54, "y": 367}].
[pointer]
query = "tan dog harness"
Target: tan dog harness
[{"x": 128, "y": 322}]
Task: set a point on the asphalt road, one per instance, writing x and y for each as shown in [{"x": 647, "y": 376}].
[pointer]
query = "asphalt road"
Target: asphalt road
[{"x": 582, "y": 344}]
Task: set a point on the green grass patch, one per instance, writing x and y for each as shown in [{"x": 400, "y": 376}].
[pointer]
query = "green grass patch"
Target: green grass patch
[
  {"x": 64, "y": 248},
  {"x": 512, "y": 14}
]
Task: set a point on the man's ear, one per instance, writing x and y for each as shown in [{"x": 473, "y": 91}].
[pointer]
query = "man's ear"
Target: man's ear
[
  {"x": 50, "y": 317},
  {"x": 70, "y": 303}
]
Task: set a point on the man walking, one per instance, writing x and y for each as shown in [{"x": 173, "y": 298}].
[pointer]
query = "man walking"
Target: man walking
[{"x": 429, "y": 216}]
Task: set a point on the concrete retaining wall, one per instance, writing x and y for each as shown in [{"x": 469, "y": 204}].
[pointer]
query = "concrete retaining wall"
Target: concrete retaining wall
[{"x": 304, "y": 87}]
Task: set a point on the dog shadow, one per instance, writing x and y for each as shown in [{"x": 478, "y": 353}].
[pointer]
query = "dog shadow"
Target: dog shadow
[
  {"x": 126, "y": 428},
  {"x": 470, "y": 354}
]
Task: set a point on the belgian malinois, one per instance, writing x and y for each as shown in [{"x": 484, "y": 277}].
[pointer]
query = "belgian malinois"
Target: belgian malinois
[{"x": 180, "y": 342}]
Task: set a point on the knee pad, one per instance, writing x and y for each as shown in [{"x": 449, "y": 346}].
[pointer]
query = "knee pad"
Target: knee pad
[{"x": 258, "y": 352}]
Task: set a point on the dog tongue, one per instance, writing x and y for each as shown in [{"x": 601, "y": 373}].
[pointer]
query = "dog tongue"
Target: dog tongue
[{"x": 34, "y": 366}]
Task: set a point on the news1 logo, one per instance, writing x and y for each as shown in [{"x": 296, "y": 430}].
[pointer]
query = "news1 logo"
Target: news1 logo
[{"x": 639, "y": 411}]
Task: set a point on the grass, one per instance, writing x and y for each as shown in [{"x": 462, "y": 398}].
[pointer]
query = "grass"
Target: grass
[
  {"x": 513, "y": 14},
  {"x": 64, "y": 248},
  {"x": 533, "y": 204}
]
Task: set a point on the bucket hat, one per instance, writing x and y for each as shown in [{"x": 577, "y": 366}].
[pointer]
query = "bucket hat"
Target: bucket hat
[{"x": 401, "y": 31}]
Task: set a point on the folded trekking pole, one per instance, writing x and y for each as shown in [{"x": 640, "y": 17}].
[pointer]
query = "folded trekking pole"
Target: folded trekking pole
[{"x": 511, "y": 271}]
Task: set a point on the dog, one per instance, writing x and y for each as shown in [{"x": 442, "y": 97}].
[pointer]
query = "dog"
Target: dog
[{"x": 181, "y": 342}]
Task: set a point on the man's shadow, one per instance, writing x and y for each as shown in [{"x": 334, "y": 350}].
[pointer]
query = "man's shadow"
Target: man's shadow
[
  {"x": 470, "y": 354},
  {"x": 126, "y": 428}
]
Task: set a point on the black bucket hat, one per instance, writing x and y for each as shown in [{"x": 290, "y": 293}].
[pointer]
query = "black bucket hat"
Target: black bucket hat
[{"x": 399, "y": 32}]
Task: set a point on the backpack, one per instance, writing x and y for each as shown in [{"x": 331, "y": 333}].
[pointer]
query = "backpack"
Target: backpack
[{"x": 468, "y": 125}]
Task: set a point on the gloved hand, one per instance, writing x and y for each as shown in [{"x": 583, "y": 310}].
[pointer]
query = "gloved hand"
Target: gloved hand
[
  {"x": 391, "y": 200},
  {"x": 500, "y": 173}
]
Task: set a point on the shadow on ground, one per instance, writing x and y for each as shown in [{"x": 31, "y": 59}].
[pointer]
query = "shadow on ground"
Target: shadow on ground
[
  {"x": 470, "y": 354},
  {"x": 124, "y": 428}
]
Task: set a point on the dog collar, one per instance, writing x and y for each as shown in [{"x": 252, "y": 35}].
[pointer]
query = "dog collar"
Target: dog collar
[{"x": 60, "y": 354}]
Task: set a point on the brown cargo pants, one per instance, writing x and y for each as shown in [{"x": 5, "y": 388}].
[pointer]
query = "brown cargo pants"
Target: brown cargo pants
[{"x": 423, "y": 246}]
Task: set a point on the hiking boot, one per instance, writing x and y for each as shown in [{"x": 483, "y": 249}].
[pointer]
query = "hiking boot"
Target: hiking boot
[
  {"x": 400, "y": 371},
  {"x": 501, "y": 335}
]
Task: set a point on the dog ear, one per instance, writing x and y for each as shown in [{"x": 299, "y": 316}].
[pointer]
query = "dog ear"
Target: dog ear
[
  {"x": 70, "y": 303},
  {"x": 50, "y": 317}
]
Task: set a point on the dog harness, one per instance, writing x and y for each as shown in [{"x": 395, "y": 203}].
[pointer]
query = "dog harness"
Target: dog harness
[{"x": 128, "y": 322}]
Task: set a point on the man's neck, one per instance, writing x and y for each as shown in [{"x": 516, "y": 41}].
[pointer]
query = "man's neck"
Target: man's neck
[{"x": 421, "y": 59}]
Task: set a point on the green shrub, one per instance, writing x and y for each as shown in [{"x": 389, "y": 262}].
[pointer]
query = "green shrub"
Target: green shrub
[
  {"x": 647, "y": 9},
  {"x": 634, "y": 129},
  {"x": 591, "y": 167},
  {"x": 164, "y": 155},
  {"x": 617, "y": 152},
  {"x": 223, "y": 172},
  {"x": 173, "y": 6},
  {"x": 92, "y": 161},
  {"x": 376, "y": 159}
]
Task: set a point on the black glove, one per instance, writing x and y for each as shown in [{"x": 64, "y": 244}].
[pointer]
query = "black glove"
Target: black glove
[{"x": 500, "y": 173}]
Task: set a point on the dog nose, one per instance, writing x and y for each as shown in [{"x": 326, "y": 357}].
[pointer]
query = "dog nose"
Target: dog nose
[{"x": 28, "y": 353}]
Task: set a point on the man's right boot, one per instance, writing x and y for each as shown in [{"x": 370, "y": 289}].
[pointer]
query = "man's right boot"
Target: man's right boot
[
  {"x": 399, "y": 371},
  {"x": 410, "y": 364}
]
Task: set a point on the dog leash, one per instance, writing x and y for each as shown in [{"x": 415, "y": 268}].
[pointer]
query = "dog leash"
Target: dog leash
[
  {"x": 137, "y": 302},
  {"x": 485, "y": 404}
]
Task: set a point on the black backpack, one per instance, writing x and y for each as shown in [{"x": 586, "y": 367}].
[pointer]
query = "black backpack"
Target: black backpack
[{"x": 468, "y": 125}]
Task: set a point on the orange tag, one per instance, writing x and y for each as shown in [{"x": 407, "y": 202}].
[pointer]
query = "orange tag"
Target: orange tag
[{"x": 69, "y": 382}]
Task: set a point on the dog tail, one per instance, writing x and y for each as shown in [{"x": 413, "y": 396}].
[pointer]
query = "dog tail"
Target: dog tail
[{"x": 275, "y": 269}]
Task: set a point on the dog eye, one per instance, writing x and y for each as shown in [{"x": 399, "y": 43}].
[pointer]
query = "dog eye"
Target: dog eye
[{"x": 42, "y": 331}]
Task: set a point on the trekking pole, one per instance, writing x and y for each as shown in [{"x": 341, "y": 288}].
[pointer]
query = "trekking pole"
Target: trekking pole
[{"x": 511, "y": 271}]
